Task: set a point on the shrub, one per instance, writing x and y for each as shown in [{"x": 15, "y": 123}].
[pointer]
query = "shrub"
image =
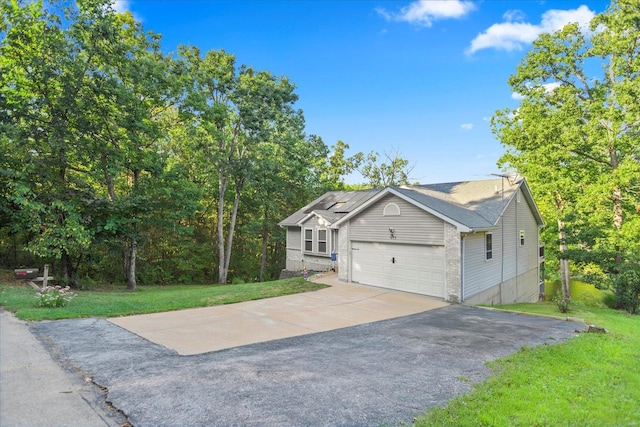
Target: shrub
[
  {"x": 609, "y": 299},
  {"x": 562, "y": 302},
  {"x": 54, "y": 296}
]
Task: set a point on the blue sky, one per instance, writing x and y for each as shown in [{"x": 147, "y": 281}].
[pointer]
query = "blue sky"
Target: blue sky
[{"x": 420, "y": 77}]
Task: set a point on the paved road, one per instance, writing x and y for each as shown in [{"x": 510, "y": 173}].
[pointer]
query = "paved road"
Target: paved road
[
  {"x": 367, "y": 375},
  {"x": 36, "y": 391}
]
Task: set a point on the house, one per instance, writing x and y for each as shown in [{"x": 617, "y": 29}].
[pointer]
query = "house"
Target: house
[{"x": 474, "y": 241}]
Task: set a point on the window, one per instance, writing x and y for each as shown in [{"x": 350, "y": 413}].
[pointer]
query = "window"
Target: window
[
  {"x": 391, "y": 209},
  {"x": 488, "y": 245},
  {"x": 322, "y": 241},
  {"x": 308, "y": 240},
  {"x": 521, "y": 237}
]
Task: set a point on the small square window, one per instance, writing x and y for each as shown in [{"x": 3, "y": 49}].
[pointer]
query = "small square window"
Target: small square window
[
  {"x": 308, "y": 240},
  {"x": 322, "y": 241},
  {"x": 488, "y": 245}
]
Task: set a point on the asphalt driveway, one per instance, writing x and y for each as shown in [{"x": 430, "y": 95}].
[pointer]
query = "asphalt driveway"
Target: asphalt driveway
[{"x": 367, "y": 375}]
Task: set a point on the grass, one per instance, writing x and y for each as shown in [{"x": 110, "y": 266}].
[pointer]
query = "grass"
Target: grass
[
  {"x": 19, "y": 298},
  {"x": 590, "y": 380}
]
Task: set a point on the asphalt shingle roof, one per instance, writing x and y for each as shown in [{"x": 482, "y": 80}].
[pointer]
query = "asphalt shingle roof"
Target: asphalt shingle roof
[{"x": 474, "y": 204}]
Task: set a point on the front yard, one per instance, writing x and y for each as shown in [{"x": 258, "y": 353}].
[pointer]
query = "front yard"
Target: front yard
[
  {"x": 20, "y": 298},
  {"x": 591, "y": 380}
]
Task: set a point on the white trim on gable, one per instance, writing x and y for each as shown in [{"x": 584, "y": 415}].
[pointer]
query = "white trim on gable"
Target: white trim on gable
[{"x": 310, "y": 215}]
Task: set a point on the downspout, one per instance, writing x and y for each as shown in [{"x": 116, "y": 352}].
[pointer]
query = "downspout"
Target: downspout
[{"x": 462, "y": 268}]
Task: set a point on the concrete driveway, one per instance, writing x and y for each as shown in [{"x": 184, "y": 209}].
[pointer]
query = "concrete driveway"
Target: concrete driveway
[
  {"x": 341, "y": 305},
  {"x": 380, "y": 373}
]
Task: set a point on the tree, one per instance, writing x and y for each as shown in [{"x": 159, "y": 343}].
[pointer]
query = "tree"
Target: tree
[
  {"x": 389, "y": 171},
  {"x": 231, "y": 111},
  {"x": 575, "y": 136},
  {"x": 82, "y": 91}
]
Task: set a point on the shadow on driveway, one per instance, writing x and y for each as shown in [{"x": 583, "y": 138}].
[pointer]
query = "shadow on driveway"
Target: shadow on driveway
[{"x": 367, "y": 375}]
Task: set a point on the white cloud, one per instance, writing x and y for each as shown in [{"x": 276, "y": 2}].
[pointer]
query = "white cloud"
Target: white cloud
[
  {"x": 548, "y": 88},
  {"x": 121, "y": 6},
  {"x": 513, "y": 15},
  {"x": 514, "y": 35},
  {"x": 467, "y": 126},
  {"x": 424, "y": 12}
]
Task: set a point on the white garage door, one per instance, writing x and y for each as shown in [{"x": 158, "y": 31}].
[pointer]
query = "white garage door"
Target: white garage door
[{"x": 410, "y": 268}]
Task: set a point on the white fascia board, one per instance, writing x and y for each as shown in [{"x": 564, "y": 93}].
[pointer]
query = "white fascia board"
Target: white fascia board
[
  {"x": 312, "y": 214},
  {"x": 532, "y": 203},
  {"x": 460, "y": 227}
]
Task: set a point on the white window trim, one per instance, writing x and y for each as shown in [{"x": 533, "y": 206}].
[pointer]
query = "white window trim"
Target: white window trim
[
  {"x": 391, "y": 209},
  {"x": 305, "y": 240},
  {"x": 325, "y": 241},
  {"x": 486, "y": 251}
]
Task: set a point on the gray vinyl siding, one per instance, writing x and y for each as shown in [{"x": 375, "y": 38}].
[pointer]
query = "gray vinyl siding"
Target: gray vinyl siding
[
  {"x": 294, "y": 254},
  {"x": 294, "y": 238},
  {"x": 414, "y": 225},
  {"x": 480, "y": 273},
  {"x": 528, "y": 254},
  {"x": 510, "y": 241}
]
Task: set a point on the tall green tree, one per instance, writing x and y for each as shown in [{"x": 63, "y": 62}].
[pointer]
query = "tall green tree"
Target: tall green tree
[
  {"x": 575, "y": 137},
  {"x": 231, "y": 111},
  {"x": 39, "y": 92},
  {"x": 82, "y": 90}
]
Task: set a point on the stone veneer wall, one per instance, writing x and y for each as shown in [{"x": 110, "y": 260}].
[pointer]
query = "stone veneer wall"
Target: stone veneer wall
[
  {"x": 343, "y": 253},
  {"x": 452, "y": 263}
]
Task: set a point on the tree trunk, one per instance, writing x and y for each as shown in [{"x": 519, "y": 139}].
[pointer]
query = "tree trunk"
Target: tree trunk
[
  {"x": 565, "y": 278},
  {"x": 618, "y": 215},
  {"x": 265, "y": 245},
  {"x": 222, "y": 271},
  {"x": 232, "y": 227},
  {"x": 68, "y": 270},
  {"x": 130, "y": 253}
]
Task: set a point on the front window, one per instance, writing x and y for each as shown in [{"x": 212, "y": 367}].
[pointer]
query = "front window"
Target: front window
[
  {"x": 488, "y": 245},
  {"x": 308, "y": 240},
  {"x": 322, "y": 241}
]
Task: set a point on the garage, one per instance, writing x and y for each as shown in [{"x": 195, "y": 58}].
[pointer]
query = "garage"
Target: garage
[{"x": 410, "y": 268}]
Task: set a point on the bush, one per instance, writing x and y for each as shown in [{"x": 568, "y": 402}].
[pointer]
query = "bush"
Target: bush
[
  {"x": 626, "y": 285},
  {"x": 609, "y": 299},
  {"x": 54, "y": 296},
  {"x": 562, "y": 302}
]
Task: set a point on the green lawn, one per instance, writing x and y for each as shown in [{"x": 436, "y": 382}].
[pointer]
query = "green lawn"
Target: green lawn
[
  {"x": 591, "y": 380},
  {"x": 20, "y": 299}
]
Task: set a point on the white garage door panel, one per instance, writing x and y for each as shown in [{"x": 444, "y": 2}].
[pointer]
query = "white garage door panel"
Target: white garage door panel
[{"x": 418, "y": 269}]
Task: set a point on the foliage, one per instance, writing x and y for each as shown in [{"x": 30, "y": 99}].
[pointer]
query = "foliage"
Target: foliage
[
  {"x": 591, "y": 380},
  {"x": 574, "y": 136},
  {"x": 147, "y": 299},
  {"x": 120, "y": 163},
  {"x": 563, "y": 303},
  {"x": 54, "y": 296},
  {"x": 388, "y": 170}
]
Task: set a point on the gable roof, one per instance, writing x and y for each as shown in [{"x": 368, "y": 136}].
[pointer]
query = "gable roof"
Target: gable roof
[
  {"x": 331, "y": 206},
  {"x": 469, "y": 205}
]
